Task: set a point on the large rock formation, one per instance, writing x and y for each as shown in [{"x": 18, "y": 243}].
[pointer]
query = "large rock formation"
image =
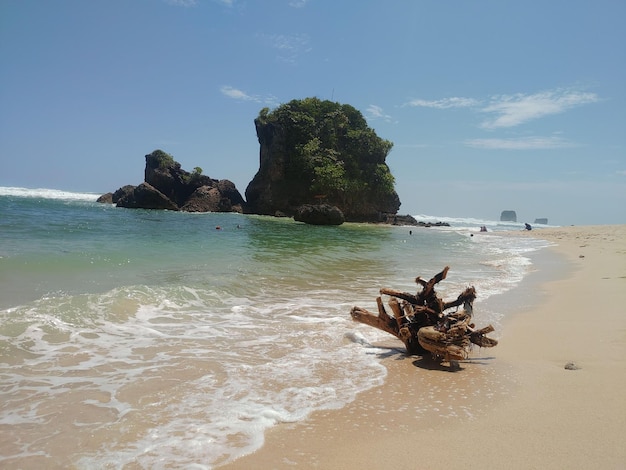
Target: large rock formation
[
  {"x": 168, "y": 186},
  {"x": 319, "y": 151}
]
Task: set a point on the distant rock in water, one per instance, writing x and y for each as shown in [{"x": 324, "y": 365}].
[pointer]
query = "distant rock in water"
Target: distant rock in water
[
  {"x": 167, "y": 186},
  {"x": 432, "y": 224},
  {"x": 508, "y": 216},
  {"x": 541, "y": 221},
  {"x": 394, "y": 219},
  {"x": 410, "y": 220},
  {"x": 106, "y": 198},
  {"x": 112, "y": 198},
  {"x": 319, "y": 214}
]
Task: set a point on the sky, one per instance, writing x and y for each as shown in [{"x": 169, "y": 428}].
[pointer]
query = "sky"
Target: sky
[{"x": 491, "y": 105}]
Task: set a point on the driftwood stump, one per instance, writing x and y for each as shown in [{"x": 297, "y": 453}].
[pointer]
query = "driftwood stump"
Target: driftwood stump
[{"x": 420, "y": 321}]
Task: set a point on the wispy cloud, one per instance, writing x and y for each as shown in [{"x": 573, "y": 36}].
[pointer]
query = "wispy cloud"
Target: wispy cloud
[
  {"x": 240, "y": 95},
  {"x": 523, "y": 143},
  {"x": 445, "y": 103},
  {"x": 298, "y": 3},
  {"x": 513, "y": 110},
  {"x": 289, "y": 47},
  {"x": 376, "y": 112},
  {"x": 237, "y": 94}
]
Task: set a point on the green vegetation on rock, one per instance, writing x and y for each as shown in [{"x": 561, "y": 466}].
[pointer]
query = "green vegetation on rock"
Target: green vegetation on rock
[
  {"x": 163, "y": 159},
  {"x": 330, "y": 150}
]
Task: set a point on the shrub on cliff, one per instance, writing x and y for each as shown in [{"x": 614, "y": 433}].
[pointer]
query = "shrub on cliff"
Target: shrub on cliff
[{"x": 163, "y": 159}]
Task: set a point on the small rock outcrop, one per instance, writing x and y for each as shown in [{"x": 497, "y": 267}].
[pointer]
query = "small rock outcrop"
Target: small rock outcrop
[
  {"x": 167, "y": 186},
  {"x": 410, "y": 220},
  {"x": 146, "y": 196},
  {"x": 106, "y": 198},
  {"x": 203, "y": 199},
  {"x": 541, "y": 221},
  {"x": 508, "y": 216},
  {"x": 394, "y": 219},
  {"x": 319, "y": 214},
  {"x": 112, "y": 198}
]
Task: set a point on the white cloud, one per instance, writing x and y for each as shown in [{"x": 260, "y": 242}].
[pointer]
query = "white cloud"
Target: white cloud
[
  {"x": 513, "y": 110},
  {"x": 523, "y": 143},
  {"x": 376, "y": 112},
  {"x": 270, "y": 100},
  {"x": 236, "y": 94},
  {"x": 453, "y": 102},
  {"x": 240, "y": 95}
]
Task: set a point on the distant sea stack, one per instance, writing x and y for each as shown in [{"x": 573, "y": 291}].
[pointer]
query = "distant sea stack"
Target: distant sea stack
[
  {"x": 541, "y": 221},
  {"x": 508, "y": 216}
]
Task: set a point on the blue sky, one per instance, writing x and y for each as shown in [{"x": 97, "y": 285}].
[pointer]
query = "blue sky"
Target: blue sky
[{"x": 491, "y": 105}]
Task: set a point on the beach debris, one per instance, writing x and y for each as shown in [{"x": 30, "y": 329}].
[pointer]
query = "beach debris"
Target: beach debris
[
  {"x": 572, "y": 366},
  {"x": 420, "y": 321}
]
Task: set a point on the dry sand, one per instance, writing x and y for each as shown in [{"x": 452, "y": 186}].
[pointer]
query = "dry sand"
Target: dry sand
[{"x": 515, "y": 406}]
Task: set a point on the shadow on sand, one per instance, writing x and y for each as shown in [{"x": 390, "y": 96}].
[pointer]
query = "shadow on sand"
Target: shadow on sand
[{"x": 430, "y": 363}]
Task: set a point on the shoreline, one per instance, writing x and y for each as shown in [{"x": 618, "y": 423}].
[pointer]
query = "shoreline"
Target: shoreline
[{"x": 513, "y": 406}]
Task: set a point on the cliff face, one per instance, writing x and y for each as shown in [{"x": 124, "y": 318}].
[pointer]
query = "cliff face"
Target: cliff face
[
  {"x": 308, "y": 159},
  {"x": 269, "y": 190}
]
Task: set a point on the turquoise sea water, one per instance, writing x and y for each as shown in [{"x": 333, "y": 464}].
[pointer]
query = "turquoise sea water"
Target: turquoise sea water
[{"x": 155, "y": 339}]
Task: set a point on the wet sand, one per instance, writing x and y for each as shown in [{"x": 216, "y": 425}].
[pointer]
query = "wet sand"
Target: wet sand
[{"x": 515, "y": 406}]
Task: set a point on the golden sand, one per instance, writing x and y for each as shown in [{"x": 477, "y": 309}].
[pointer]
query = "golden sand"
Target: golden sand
[{"x": 515, "y": 406}]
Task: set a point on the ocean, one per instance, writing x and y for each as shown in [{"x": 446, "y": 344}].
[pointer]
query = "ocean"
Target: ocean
[{"x": 156, "y": 339}]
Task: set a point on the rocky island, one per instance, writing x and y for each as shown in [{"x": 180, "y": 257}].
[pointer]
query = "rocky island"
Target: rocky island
[
  {"x": 319, "y": 162},
  {"x": 167, "y": 186},
  {"x": 314, "y": 151}
]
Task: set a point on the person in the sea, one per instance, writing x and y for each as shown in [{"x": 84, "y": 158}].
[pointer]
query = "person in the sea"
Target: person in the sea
[{"x": 528, "y": 227}]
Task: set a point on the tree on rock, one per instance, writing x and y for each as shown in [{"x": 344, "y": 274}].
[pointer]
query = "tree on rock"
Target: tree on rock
[{"x": 314, "y": 147}]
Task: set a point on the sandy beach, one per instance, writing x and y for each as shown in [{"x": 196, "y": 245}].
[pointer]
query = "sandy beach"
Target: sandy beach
[{"x": 515, "y": 406}]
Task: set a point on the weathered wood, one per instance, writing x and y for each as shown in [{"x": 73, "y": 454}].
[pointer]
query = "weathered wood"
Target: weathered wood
[
  {"x": 468, "y": 294},
  {"x": 429, "y": 287},
  {"x": 422, "y": 324},
  {"x": 382, "y": 313},
  {"x": 363, "y": 316},
  {"x": 401, "y": 295},
  {"x": 397, "y": 312}
]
